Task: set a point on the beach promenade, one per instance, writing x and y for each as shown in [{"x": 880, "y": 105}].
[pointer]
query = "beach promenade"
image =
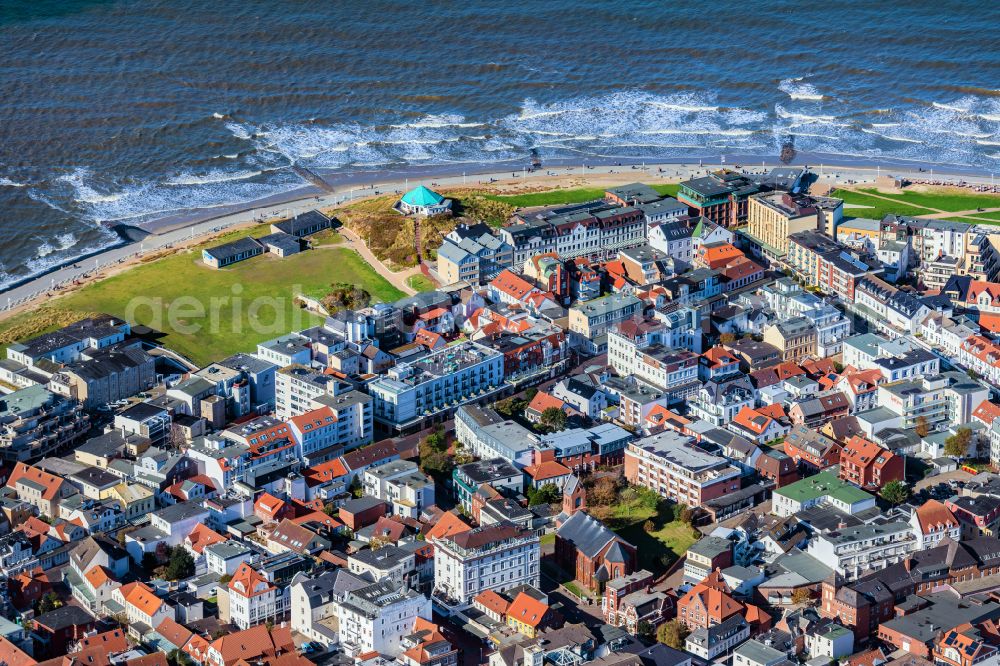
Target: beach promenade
[{"x": 120, "y": 257}]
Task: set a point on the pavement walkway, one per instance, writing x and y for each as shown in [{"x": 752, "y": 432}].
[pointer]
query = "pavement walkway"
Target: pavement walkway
[{"x": 397, "y": 278}]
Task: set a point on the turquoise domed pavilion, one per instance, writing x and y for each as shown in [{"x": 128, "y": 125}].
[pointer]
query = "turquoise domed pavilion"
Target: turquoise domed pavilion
[{"x": 423, "y": 201}]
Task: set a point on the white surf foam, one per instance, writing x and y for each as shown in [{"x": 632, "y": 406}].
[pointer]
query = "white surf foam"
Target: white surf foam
[
  {"x": 212, "y": 177},
  {"x": 7, "y": 182},
  {"x": 796, "y": 89}
]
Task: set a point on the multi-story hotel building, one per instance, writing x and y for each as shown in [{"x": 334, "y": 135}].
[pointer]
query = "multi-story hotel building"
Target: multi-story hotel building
[
  {"x": 671, "y": 465},
  {"x": 495, "y": 557},
  {"x": 854, "y": 550},
  {"x": 378, "y": 617},
  {"x": 589, "y": 322},
  {"x": 721, "y": 197},
  {"x": 595, "y": 229},
  {"x": 414, "y": 393},
  {"x": 774, "y": 216},
  {"x": 636, "y": 350}
]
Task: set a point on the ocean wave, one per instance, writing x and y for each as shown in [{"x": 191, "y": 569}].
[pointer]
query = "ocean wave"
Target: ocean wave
[
  {"x": 795, "y": 89},
  {"x": 215, "y": 177},
  {"x": 950, "y": 107},
  {"x": 84, "y": 193},
  {"x": 890, "y": 137},
  {"x": 687, "y": 108},
  {"x": 983, "y": 142},
  {"x": 42, "y": 263},
  {"x": 218, "y": 116},
  {"x": 7, "y": 182},
  {"x": 781, "y": 112},
  {"x": 439, "y": 121}
]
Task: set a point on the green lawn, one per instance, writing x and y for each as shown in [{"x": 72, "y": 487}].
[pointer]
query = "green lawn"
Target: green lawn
[
  {"x": 326, "y": 237},
  {"x": 950, "y": 201},
  {"x": 875, "y": 208},
  {"x": 917, "y": 203},
  {"x": 576, "y": 195},
  {"x": 209, "y": 314},
  {"x": 421, "y": 283},
  {"x": 672, "y": 539},
  {"x": 548, "y": 538},
  {"x": 669, "y": 538}
]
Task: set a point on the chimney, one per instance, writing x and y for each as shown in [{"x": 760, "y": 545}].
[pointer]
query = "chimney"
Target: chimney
[{"x": 906, "y": 564}]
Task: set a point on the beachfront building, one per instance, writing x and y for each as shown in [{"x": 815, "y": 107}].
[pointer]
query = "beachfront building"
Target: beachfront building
[
  {"x": 594, "y": 230},
  {"x": 773, "y": 216},
  {"x": 230, "y": 253},
  {"x": 720, "y": 196},
  {"x": 415, "y": 393},
  {"x": 35, "y": 422},
  {"x": 423, "y": 201}
]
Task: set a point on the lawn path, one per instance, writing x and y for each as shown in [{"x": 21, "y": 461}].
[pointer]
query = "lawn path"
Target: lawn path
[
  {"x": 397, "y": 279},
  {"x": 937, "y": 214}
]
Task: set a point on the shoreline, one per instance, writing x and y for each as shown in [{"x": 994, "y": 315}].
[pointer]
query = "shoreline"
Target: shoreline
[{"x": 198, "y": 225}]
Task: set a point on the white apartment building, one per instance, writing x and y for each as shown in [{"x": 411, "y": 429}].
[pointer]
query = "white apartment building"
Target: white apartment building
[
  {"x": 402, "y": 484},
  {"x": 253, "y": 599},
  {"x": 388, "y": 563},
  {"x": 377, "y": 617},
  {"x": 495, "y": 557},
  {"x": 414, "y": 392},
  {"x": 931, "y": 523},
  {"x": 854, "y": 550},
  {"x": 295, "y": 388},
  {"x": 223, "y": 559},
  {"x": 315, "y": 602},
  {"x": 635, "y": 349}
]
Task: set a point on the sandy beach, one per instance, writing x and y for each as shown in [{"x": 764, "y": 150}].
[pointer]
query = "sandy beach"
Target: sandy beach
[{"x": 181, "y": 231}]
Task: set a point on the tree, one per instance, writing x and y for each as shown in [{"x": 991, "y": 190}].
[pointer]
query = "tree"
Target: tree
[
  {"x": 511, "y": 407},
  {"x": 49, "y": 602},
  {"x": 181, "y": 564},
  {"x": 672, "y": 634},
  {"x": 895, "y": 492},
  {"x": 727, "y": 338},
  {"x": 225, "y": 578},
  {"x": 379, "y": 542},
  {"x": 957, "y": 445},
  {"x": 546, "y": 494},
  {"x": 178, "y": 658},
  {"x": 801, "y": 596},
  {"x": 554, "y": 418},
  {"x": 923, "y": 427},
  {"x": 644, "y": 630},
  {"x": 603, "y": 493}
]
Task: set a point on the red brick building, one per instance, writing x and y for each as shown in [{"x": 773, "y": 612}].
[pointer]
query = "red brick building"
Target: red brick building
[
  {"x": 595, "y": 554},
  {"x": 869, "y": 466}
]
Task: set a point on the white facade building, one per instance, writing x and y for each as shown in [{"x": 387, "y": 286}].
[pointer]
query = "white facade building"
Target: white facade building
[{"x": 495, "y": 557}]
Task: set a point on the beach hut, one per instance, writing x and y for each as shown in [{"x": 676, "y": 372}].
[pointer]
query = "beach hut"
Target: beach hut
[{"x": 423, "y": 201}]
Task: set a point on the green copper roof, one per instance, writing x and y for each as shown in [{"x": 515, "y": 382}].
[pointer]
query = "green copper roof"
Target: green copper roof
[
  {"x": 820, "y": 485},
  {"x": 421, "y": 196},
  {"x": 699, "y": 229}
]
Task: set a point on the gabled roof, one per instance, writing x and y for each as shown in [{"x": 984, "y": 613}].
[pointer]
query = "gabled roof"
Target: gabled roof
[
  {"x": 142, "y": 598},
  {"x": 248, "y": 582},
  {"x": 933, "y": 515},
  {"x": 493, "y": 601},
  {"x": 589, "y": 535},
  {"x": 527, "y": 610},
  {"x": 549, "y": 469},
  {"x": 449, "y": 523}
]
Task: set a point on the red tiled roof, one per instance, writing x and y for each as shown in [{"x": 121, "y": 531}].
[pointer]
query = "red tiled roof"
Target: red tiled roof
[{"x": 527, "y": 610}]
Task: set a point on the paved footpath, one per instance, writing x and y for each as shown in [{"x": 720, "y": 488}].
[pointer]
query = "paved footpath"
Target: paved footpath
[{"x": 573, "y": 176}]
